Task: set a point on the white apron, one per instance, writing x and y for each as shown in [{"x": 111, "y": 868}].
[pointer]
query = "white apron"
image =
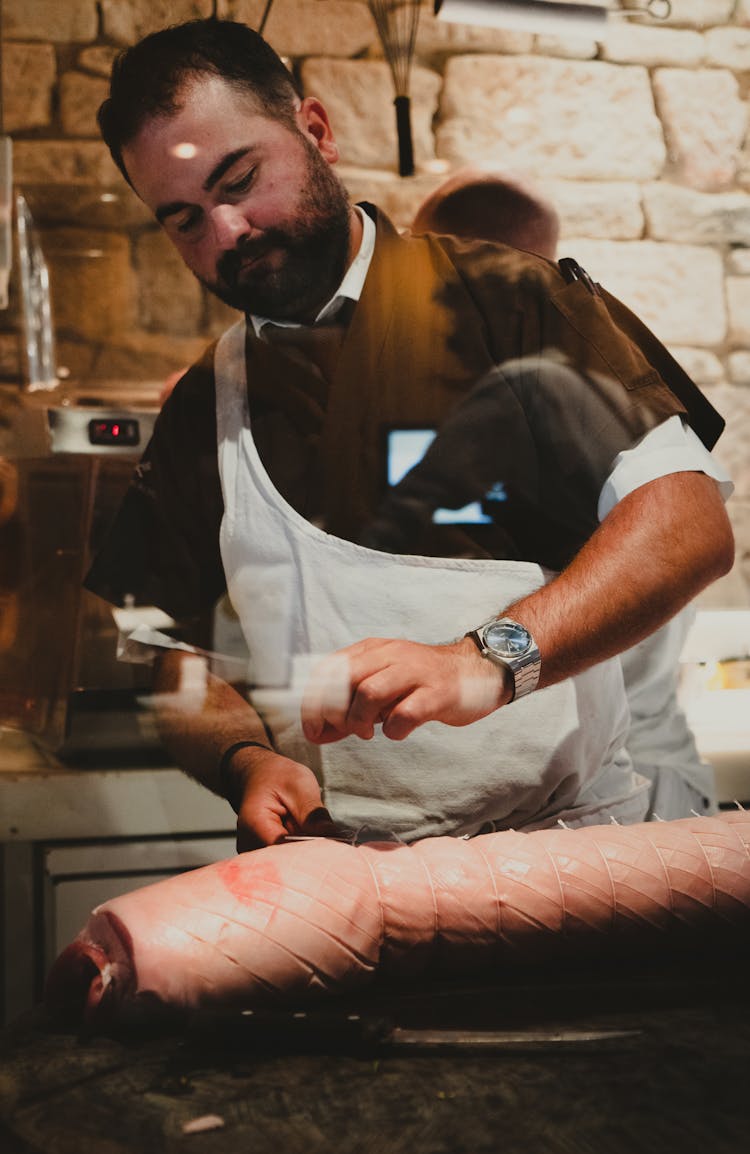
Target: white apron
[{"x": 298, "y": 591}]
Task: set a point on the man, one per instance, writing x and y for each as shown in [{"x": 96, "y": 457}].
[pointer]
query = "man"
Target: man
[
  {"x": 209, "y": 128},
  {"x": 479, "y": 204}
]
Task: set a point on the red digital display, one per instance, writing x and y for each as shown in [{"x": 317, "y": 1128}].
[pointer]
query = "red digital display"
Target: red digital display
[{"x": 114, "y": 431}]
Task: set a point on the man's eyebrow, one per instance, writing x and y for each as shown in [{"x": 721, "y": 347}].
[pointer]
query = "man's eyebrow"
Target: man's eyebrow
[
  {"x": 224, "y": 164},
  {"x": 216, "y": 173},
  {"x": 166, "y": 210}
]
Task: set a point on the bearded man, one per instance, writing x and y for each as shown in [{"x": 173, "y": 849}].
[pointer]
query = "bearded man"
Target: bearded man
[{"x": 469, "y": 681}]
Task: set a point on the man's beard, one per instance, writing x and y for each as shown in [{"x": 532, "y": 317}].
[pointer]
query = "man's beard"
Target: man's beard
[{"x": 314, "y": 252}]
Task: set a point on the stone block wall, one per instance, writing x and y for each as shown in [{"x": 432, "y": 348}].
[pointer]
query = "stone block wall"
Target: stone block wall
[{"x": 641, "y": 140}]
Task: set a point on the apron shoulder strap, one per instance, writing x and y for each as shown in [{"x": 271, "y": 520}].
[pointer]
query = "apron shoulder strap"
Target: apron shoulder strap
[
  {"x": 230, "y": 375},
  {"x": 703, "y": 417}
]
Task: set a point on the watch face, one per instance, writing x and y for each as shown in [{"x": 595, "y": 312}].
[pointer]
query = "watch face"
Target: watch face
[{"x": 507, "y": 639}]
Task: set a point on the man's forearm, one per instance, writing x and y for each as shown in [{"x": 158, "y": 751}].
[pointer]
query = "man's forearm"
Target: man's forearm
[
  {"x": 199, "y": 716},
  {"x": 640, "y": 567}
]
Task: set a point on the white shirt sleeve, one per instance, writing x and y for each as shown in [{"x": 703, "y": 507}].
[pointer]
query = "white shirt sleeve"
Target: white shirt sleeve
[{"x": 671, "y": 447}]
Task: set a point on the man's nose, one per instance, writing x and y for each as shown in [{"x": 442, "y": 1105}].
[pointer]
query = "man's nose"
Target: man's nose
[{"x": 229, "y": 225}]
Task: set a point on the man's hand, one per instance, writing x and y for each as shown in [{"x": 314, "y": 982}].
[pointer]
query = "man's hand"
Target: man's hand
[
  {"x": 402, "y": 684},
  {"x": 279, "y": 797}
]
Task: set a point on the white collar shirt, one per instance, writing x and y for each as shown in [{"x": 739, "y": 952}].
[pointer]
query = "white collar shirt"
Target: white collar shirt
[{"x": 349, "y": 289}]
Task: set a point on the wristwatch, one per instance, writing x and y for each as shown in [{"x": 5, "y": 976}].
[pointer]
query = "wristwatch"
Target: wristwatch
[{"x": 508, "y": 643}]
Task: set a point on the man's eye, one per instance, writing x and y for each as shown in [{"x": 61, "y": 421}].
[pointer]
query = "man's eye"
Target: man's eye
[
  {"x": 185, "y": 223},
  {"x": 242, "y": 183}
]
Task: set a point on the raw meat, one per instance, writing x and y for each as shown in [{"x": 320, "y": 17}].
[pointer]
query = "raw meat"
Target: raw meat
[{"x": 320, "y": 916}]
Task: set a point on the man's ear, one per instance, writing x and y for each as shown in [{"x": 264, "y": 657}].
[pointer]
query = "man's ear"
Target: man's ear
[{"x": 313, "y": 121}]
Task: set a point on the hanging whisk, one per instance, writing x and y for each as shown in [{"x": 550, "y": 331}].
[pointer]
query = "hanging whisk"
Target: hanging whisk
[{"x": 397, "y": 24}]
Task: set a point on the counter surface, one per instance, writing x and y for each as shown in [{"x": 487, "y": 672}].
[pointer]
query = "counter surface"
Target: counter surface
[
  {"x": 673, "y": 1080},
  {"x": 41, "y": 800}
]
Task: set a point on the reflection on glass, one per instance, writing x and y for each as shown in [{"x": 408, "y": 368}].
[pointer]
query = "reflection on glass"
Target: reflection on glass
[
  {"x": 406, "y": 448},
  {"x": 37, "y": 306}
]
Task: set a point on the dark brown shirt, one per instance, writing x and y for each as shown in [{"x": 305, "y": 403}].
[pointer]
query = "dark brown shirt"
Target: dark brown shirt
[{"x": 436, "y": 316}]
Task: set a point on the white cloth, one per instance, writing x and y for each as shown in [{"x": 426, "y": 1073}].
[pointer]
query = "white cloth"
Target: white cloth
[
  {"x": 660, "y": 741},
  {"x": 556, "y": 754}
]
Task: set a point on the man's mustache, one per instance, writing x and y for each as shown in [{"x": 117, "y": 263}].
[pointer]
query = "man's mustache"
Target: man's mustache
[{"x": 247, "y": 248}]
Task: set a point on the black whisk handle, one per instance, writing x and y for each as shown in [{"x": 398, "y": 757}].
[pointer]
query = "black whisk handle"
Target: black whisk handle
[{"x": 403, "y": 127}]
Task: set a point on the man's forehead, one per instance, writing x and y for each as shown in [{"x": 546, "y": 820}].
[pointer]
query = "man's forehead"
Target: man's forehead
[{"x": 212, "y": 119}]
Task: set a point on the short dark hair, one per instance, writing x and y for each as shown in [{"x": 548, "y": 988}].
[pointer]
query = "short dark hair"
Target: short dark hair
[
  {"x": 490, "y": 206},
  {"x": 147, "y": 78}
]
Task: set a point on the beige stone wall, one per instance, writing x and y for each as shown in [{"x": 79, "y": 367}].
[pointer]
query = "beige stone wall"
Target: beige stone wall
[{"x": 641, "y": 140}]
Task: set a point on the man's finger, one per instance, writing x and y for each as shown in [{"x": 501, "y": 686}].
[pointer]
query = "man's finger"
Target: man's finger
[
  {"x": 413, "y": 710},
  {"x": 376, "y": 696},
  {"x": 265, "y": 829},
  {"x": 326, "y": 697},
  {"x": 319, "y": 823}
]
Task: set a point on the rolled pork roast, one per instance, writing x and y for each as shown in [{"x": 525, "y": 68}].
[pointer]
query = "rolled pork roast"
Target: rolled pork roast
[{"x": 320, "y": 917}]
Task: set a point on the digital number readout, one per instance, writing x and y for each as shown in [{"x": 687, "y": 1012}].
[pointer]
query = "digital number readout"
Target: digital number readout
[{"x": 114, "y": 431}]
